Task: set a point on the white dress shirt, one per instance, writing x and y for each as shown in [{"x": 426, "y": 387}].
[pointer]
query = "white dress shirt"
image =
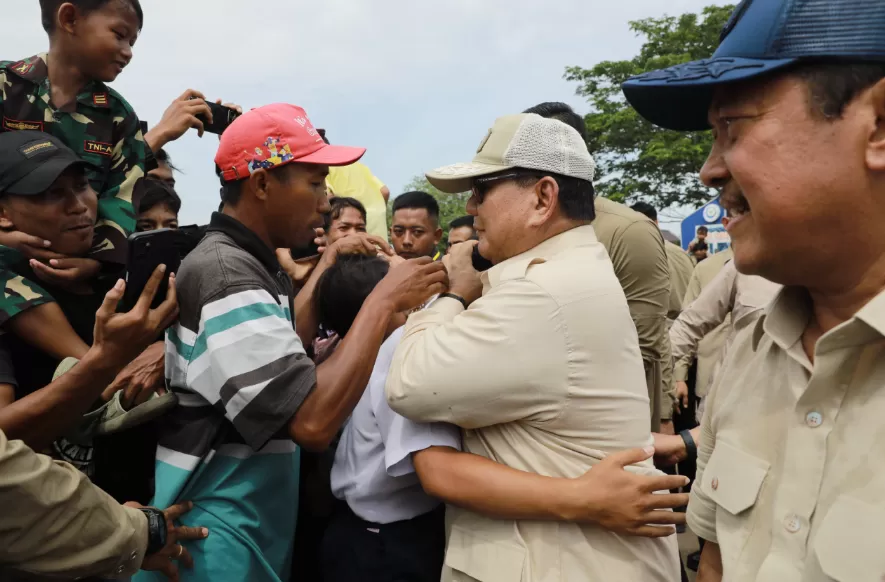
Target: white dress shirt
[{"x": 373, "y": 468}]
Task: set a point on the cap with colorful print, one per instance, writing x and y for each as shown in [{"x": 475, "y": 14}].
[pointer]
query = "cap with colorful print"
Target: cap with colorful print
[{"x": 273, "y": 136}]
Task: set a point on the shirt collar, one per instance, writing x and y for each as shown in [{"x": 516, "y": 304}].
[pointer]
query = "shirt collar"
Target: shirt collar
[
  {"x": 245, "y": 239},
  {"x": 873, "y": 313},
  {"x": 516, "y": 267},
  {"x": 36, "y": 70},
  {"x": 788, "y": 315}
]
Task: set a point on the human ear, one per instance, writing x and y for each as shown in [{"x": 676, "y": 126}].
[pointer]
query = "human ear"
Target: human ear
[{"x": 875, "y": 150}]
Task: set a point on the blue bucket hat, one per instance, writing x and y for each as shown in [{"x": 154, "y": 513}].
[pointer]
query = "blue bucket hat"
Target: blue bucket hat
[{"x": 761, "y": 36}]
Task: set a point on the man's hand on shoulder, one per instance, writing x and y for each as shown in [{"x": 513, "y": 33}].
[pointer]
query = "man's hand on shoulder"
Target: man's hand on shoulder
[
  {"x": 624, "y": 502},
  {"x": 464, "y": 280}
]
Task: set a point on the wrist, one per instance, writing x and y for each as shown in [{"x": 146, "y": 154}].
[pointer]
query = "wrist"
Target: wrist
[
  {"x": 570, "y": 501},
  {"x": 469, "y": 295},
  {"x": 156, "y": 138},
  {"x": 102, "y": 362}
]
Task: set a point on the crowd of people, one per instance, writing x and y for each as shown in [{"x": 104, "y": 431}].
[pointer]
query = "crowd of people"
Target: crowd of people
[{"x": 319, "y": 393}]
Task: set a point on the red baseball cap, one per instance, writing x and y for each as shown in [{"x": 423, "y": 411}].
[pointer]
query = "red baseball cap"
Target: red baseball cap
[{"x": 273, "y": 136}]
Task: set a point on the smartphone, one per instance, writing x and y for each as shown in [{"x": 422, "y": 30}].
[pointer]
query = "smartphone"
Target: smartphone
[
  {"x": 307, "y": 252},
  {"x": 148, "y": 250},
  {"x": 480, "y": 263},
  {"x": 222, "y": 117}
]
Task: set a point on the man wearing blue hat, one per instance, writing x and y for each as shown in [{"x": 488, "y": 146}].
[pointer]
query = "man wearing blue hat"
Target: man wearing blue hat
[{"x": 791, "y": 468}]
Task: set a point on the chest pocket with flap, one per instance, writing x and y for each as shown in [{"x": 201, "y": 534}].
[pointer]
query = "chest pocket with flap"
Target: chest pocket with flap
[{"x": 733, "y": 478}]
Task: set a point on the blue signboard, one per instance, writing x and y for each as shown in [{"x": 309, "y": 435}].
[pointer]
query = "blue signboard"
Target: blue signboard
[{"x": 709, "y": 215}]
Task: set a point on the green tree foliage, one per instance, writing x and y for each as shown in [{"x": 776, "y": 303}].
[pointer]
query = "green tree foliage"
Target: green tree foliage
[
  {"x": 451, "y": 206},
  {"x": 637, "y": 160}
]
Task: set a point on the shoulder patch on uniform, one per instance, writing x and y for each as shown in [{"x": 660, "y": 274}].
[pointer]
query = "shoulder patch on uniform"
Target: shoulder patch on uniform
[
  {"x": 22, "y": 67},
  {"x": 100, "y": 99},
  {"x": 97, "y": 147},
  {"x": 16, "y": 125}
]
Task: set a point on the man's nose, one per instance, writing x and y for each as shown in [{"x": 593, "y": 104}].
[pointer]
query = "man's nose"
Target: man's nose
[{"x": 715, "y": 172}]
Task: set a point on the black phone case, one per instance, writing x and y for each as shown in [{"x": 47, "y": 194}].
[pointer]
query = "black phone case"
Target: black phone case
[
  {"x": 222, "y": 117},
  {"x": 480, "y": 263},
  {"x": 147, "y": 250}
]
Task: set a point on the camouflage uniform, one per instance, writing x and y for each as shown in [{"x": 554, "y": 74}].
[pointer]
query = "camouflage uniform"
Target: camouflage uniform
[{"x": 101, "y": 128}]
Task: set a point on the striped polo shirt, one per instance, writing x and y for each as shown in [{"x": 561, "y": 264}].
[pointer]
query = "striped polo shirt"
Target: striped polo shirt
[{"x": 241, "y": 373}]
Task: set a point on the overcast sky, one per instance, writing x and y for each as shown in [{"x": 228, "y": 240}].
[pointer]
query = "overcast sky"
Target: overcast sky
[{"x": 417, "y": 83}]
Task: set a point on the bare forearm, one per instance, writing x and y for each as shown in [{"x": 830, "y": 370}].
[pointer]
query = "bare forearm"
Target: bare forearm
[
  {"x": 47, "y": 328},
  {"x": 491, "y": 489},
  {"x": 342, "y": 378},
  {"x": 305, "y": 304},
  {"x": 46, "y": 414},
  {"x": 710, "y": 567}
]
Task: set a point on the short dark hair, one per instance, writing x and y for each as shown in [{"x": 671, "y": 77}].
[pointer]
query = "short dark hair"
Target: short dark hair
[
  {"x": 561, "y": 112},
  {"x": 343, "y": 289},
  {"x": 232, "y": 190},
  {"x": 575, "y": 195},
  {"x": 703, "y": 229},
  {"x": 49, "y": 9},
  {"x": 163, "y": 157},
  {"x": 339, "y": 203},
  {"x": 156, "y": 192},
  {"x": 833, "y": 85},
  {"x": 418, "y": 200},
  {"x": 461, "y": 222},
  {"x": 646, "y": 209}
]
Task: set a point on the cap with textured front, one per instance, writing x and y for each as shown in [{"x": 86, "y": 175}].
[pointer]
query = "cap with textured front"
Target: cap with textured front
[
  {"x": 521, "y": 141},
  {"x": 762, "y": 36},
  {"x": 31, "y": 161}
]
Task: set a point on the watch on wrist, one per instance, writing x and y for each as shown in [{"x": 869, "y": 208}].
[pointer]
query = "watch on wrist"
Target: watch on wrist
[
  {"x": 157, "y": 529},
  {"x": 691, "y": 448}
]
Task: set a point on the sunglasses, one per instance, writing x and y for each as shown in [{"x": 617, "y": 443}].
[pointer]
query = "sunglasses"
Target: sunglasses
[{"x": 482, "y": 186}]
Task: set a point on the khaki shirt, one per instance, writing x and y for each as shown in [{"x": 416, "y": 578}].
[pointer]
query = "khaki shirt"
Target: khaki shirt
[
  {"x": 636, "y": 249},
  {"x": 681, "y": 268},
  {"x": 545, "y": 375},
  {"x": 55, "y": 522},
  {"x": 710, "y": 348},
  {"x": 791, "y": 469},
  {"x": 729, "y": 294}
]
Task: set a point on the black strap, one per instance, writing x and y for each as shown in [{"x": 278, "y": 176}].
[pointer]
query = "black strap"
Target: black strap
[
  {"x": 691, "y": 448},
  {"x": 456, "y": 298}
]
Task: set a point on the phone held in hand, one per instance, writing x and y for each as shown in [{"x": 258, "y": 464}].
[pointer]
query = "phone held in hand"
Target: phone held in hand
[
  {"x": 222, "y": 117},
  {"x": 480, "y": 263},
  {"x": 147, "y": 251},
  {"x": 311, "y": 250}
]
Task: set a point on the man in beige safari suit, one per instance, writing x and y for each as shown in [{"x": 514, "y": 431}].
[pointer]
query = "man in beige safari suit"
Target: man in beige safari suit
[
  {"x": 791, "y": 465},
  {"x": 536, "y": 359}
]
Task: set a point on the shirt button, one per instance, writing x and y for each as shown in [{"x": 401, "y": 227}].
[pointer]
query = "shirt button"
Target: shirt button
[
  {"x": 792, "y": 524},
  {"x": 714, "y": 483},
  {"x": 814, "y": 419},
  {"x": 120, "y": 570},
  {"x": 133, "y": 555}
]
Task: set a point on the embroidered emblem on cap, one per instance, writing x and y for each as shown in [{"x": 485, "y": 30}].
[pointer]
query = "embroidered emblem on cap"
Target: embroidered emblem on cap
[
  {"x": 485, "y": 140},
  {"x": 270, "y": 156},
  {"x": 29, "y": 150}
]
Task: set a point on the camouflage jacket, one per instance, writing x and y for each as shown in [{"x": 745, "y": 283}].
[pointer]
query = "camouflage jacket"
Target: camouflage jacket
[{"x": 101, "y": 127}]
